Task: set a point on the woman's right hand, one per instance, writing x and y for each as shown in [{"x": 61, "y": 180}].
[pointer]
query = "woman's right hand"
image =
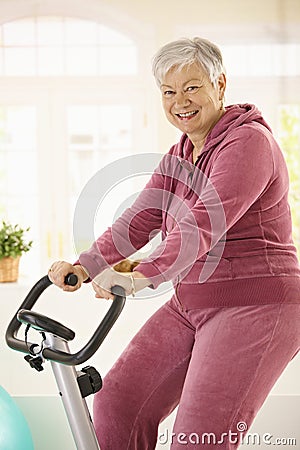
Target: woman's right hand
[{"x": 60, "y": 269}]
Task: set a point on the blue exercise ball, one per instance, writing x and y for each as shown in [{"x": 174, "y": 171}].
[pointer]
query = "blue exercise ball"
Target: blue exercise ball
[{"x": 14, "y": 430}]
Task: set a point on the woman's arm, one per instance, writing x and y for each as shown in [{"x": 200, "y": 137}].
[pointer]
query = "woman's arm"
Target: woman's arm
[
  {"x": 131, "y": 231},
  {"x": 241, "y": 172}
]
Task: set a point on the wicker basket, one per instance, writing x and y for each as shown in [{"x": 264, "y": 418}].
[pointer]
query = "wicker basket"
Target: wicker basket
[{"x": 9, "y": 269}]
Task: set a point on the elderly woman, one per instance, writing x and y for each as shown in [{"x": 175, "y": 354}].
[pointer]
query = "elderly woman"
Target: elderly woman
[{"x": 219, "y": 196}]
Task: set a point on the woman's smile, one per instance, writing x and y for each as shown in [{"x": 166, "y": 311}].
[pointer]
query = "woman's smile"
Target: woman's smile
[{"x": 187, "y": 115}]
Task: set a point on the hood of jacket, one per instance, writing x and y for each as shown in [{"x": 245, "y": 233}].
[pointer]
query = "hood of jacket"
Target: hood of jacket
[{"x": 235, "y": 116}]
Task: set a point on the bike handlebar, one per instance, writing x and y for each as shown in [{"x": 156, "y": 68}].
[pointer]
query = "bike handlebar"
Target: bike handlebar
[{"x": 55, "y": 355}]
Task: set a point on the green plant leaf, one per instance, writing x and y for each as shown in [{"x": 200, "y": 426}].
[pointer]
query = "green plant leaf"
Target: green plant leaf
[{"x": 12, "y": 240}]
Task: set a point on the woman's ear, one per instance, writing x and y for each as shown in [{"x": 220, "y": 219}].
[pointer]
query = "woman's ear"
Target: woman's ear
[{"x": 221, "y": 85}]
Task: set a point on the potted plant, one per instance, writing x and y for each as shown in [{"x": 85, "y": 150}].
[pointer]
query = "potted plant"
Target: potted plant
[{"x": 12, "y": 246}]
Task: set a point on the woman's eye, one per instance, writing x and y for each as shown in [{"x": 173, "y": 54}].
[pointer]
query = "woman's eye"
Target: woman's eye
[
  {"x": 192, "y": 88},
  {"x": 167, "y": 93}
]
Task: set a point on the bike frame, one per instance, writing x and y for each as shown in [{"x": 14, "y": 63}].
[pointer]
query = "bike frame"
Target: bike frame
[{"x": 55, "y": 348}]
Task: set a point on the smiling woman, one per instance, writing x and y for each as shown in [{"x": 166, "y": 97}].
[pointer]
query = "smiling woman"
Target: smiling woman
[
  {"x": 192, "y": 82},
  {"x": 220, "y": 198},
  {"x": 192, "y": 102}
]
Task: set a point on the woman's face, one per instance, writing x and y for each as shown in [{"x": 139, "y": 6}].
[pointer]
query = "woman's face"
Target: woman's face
[{"x": 190, "y": 101}]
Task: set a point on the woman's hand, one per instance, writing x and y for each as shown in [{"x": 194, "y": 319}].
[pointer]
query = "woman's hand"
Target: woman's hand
[
  {"x": 132, "y": 282},
  {"x": 60, "y": 269}
]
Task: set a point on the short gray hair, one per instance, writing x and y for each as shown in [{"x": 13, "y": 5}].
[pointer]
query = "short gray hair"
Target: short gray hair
[{"x": 186, "y": 51}]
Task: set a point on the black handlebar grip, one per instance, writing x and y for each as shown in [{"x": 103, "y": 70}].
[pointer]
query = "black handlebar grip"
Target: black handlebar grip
[
  {"x": 118, "y": 291},
  {"x": 71, "y": 279},
  {"x": 55, "y": 355}
]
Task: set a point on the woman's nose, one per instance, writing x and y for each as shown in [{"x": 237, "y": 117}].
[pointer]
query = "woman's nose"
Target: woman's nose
[{"x": 182, "y": 99}]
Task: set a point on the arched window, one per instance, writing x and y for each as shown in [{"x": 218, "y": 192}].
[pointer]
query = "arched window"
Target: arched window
[{"x": 60, "y": 46}]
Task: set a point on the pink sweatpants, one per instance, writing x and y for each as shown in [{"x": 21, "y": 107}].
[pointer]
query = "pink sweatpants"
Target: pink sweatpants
[{"x": 217, "y": 364}]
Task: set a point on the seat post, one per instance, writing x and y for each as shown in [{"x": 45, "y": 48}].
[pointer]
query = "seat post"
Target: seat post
[{"x": 75, "y": 406}]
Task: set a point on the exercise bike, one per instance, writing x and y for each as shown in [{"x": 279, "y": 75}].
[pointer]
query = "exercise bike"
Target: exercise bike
[{"x": 73, "y": 385}]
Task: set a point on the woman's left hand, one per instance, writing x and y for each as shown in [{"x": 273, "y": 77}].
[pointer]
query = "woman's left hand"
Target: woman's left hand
[{"x": 132, "y": 282}]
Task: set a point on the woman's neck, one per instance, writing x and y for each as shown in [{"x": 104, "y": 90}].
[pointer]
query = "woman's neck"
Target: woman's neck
[
  {"x": 200, "y": 138},
  {"x": 197, "y": 150}
]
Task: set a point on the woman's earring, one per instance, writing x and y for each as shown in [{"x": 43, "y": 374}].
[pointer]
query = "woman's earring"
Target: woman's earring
[{"x": 222, "y": 104}]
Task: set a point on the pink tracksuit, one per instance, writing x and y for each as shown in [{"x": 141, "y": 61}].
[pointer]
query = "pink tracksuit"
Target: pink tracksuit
[{"x": 218, "y": 346}]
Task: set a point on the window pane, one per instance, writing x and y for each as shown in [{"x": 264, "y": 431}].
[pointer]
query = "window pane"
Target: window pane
[
  {"x": 20, "y": 61},
  {"x": 19, "y": 127},
  {"x": 97, "y": 136},
  {"x": 81, "y": 32},
  {"x": 81, "y": 61},
  {"x": 1, "y": 62},
  {"x": 259, "y": 60},
  {"x": 19, "y": 33},
  {"x": 17, "y": 175},
  {"x": 82, "y": 119},
  {"x": 262, "y": 59},
  {"x": 115, "y": 127},
  {"x": 58, "y": 46},
  {"x": 18, "y": 172},
  {"x": 111, "y": 37},
  {"x": 292, "y": 63},
  {"x": 50, "y": 61},
  {"x": 289, "y": 137},
  {"x": 118, "y": 61},
  {"x": 49, "y": 31}
]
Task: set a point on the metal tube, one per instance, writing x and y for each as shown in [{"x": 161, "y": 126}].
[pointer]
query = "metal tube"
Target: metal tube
[{"x": 75, "y": 406}]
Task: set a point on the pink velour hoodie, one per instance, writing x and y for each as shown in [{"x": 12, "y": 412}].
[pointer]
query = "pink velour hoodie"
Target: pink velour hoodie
[{"x": 225, "y": 220}]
